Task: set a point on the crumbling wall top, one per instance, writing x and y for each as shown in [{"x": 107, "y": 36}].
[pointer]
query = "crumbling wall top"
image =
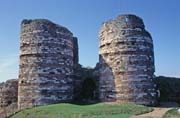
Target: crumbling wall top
[
  {"x": 44, "y": 24},
  {"x": 127, "y": 24},
  {"x": 127, "y": 21}
]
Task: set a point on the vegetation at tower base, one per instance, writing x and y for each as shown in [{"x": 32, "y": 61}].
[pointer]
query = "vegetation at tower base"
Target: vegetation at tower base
[
  {"x": 46, "y": 63},
  {"x": 100, "y": 110},
  {"x": 169, "y": 88},
  {"x": 126, "y": 62}
]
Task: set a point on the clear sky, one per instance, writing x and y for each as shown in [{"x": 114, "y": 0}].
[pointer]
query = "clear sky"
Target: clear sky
[{"x": 84, "y": 18}]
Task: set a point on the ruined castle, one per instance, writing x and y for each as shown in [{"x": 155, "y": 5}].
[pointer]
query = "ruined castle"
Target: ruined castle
[{"x": 49, "y": 71}]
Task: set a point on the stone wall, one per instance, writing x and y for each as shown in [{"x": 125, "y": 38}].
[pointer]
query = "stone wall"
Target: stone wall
[
  {"x": 8, "y": 92},
  {"x": 76, "y": 51},
  {"x": 49, "y": 69},
  {"x": 82, "y": 88},
  {"x": 126, "y": 61},
  {"x": 46, "y": 63}
]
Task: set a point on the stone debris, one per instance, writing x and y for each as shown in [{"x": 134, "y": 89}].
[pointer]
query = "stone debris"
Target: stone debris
[{"x": 126, "y": 61}]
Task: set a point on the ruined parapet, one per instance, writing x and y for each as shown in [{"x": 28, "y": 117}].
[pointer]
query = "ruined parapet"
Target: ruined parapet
[
  {"x": 8, "y": 92},
  {"x": 46, "y": 64},
  {"x": 126, "y": 61}
]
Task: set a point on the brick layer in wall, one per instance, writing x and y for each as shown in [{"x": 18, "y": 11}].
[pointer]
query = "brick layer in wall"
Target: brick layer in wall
[
  {"x": 126, "y": 62},
  {"x": 46, "y": 64}
]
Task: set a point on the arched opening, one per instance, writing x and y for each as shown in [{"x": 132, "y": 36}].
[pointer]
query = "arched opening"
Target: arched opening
[{"x": 88, "y": 91}]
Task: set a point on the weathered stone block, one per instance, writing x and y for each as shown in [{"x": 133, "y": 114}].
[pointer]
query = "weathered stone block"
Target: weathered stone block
[
  {"x": 8, "y": 92},
  {"x": 46, "y": 63},
  {"x": 126, "y": 50}
]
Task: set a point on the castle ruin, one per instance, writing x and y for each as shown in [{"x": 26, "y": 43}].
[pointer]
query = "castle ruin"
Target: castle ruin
[
  {"x": 126, "y": 61},
  {"x": 49, "y": 69},
  {"x": 46, "y": 64}
]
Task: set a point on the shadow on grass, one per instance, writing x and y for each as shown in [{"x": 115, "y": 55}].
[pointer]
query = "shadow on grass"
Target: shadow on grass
[
  {"x": 167, "y": 105},
  {"x": 85, "y": 102}
]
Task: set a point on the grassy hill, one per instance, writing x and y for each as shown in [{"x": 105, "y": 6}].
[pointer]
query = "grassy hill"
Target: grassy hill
[
  {"x": 172, "y": 113},
  {"x": 99, "y": 110}
]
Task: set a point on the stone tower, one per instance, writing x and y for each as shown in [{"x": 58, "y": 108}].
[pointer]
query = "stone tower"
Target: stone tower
[
  {"x": 46, "y": 63},
  {"x": 126, "y": 61}
]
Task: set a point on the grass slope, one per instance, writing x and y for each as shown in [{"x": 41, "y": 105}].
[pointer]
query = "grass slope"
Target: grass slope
[
  {"x": 172, "y": 114},
  {"x": 100, "y": 110}
]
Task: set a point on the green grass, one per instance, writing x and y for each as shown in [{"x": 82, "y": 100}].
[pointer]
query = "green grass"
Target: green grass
[
  {"x": 100, "y": 110},
  {"x": 172, "y": 113}
]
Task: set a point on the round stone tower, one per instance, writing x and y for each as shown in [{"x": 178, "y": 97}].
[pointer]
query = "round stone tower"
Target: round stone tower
[
  {"x": 126, "y": 61},
  {"x": 46, "y": 64}
]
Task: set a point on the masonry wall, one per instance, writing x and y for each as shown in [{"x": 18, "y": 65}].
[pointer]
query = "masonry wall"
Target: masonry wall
[
  {"x": 8, "y": 92},
  {"x": 126, "y": 61},
  {"x": 46, "y": 64},
  {"x": 75, "y": 51}
]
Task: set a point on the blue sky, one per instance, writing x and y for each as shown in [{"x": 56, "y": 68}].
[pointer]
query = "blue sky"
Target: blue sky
[{"x": 84, "y": 18}]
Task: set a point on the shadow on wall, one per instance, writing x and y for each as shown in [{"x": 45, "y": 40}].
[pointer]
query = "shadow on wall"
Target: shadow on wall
[
  {"x": 120, "y": 86},
  {"x": 127, "y": 61},
  {"x": 88, "y": 91},
  {"x": 94, "y": 85},
  {"x": 107, "y": 86},
  {"x": 85, "y": 85}
]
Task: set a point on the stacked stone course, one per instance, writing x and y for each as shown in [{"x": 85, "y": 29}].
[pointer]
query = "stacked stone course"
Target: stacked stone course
[
  {"x": 49, "y": 69},
  {"x": 46, "y": 64},
  {"x": 126, "y": 61}
]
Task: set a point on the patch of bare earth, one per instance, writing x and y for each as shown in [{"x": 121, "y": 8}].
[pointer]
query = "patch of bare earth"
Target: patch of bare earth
[{"x": 158, "y": 112}]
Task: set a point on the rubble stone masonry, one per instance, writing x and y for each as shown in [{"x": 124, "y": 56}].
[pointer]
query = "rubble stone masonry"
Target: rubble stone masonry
[
  {"x": 46, "y": 63},
  {"x": 126, "y": 61},
  {"x": 49, "y": 69},
  {"x": 8, "y": 92}
]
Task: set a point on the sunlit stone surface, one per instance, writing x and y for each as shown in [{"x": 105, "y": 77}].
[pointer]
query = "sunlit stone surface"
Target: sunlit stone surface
[{"x": 126, "y": 61}]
